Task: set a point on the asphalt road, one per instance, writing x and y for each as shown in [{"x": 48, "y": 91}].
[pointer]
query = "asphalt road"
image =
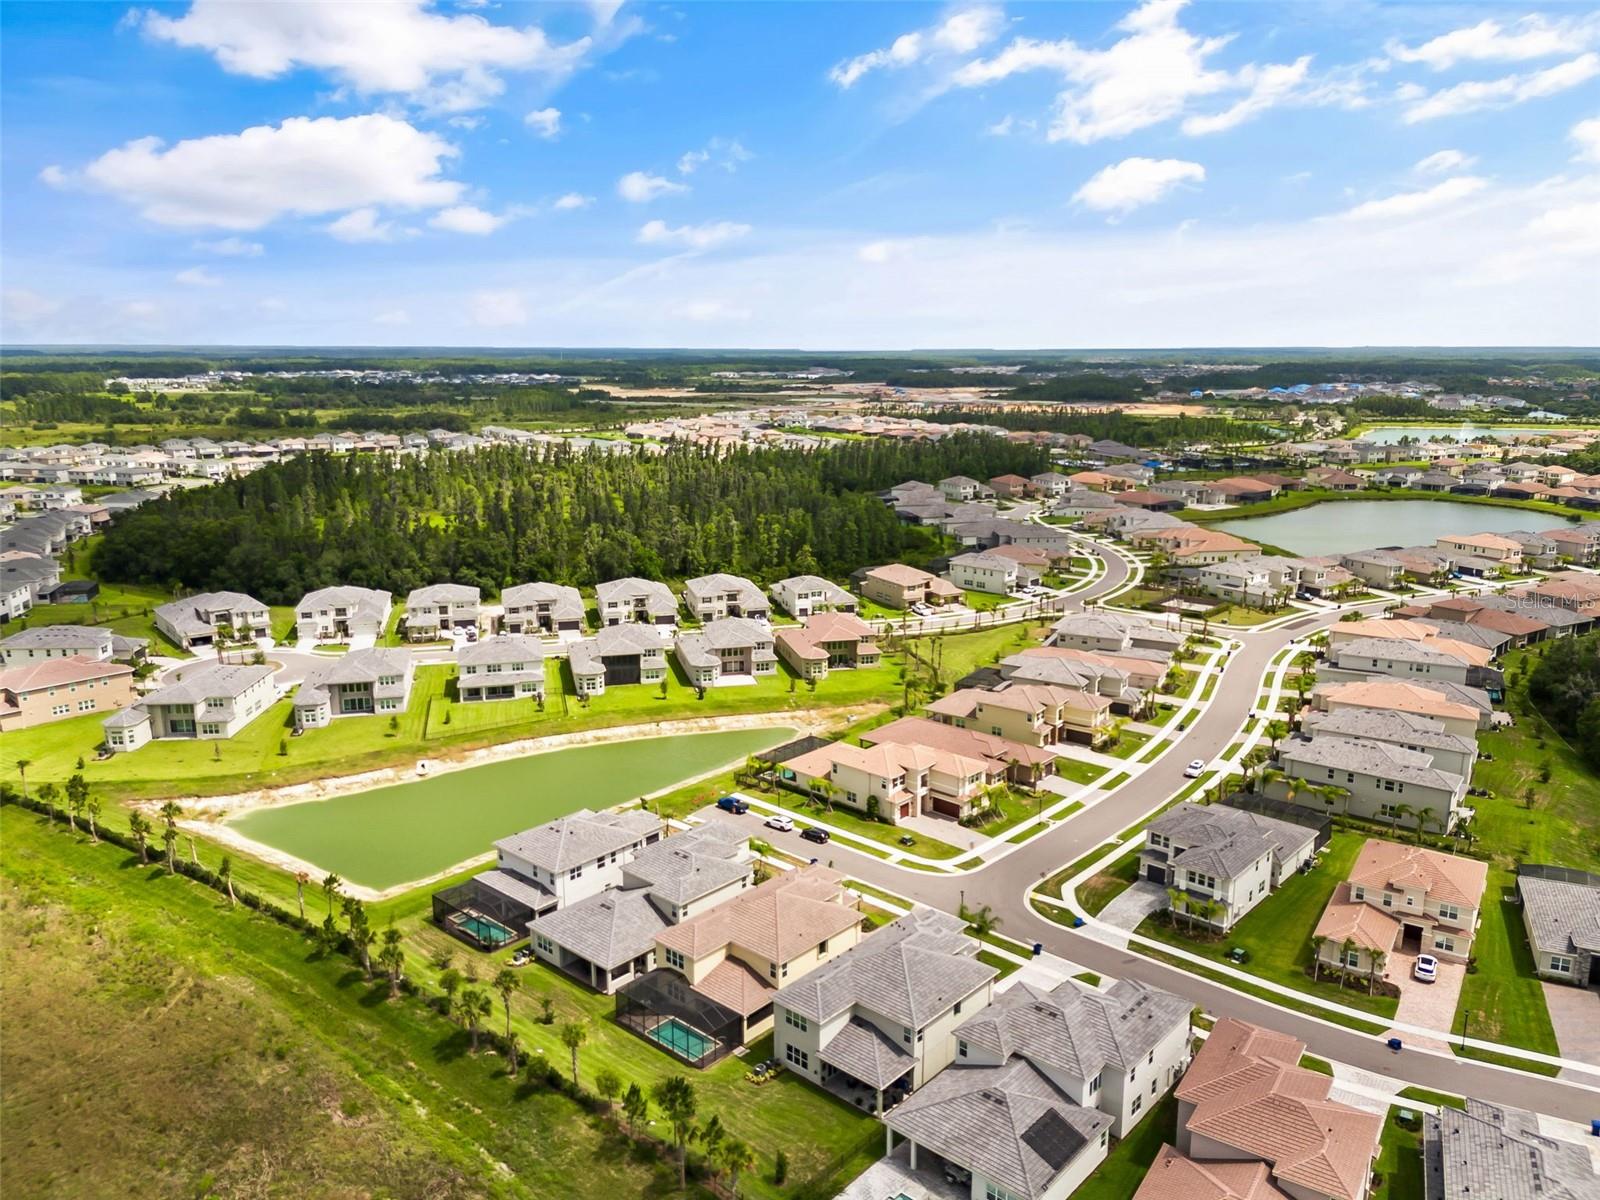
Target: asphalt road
[{"x": 1003, "y": 885}]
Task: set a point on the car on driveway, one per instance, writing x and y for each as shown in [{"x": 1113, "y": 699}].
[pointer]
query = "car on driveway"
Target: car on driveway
[
  {"x": 780, "y": 822},
  {"x": 1195, "y": 769},
  {"x": 1427, "y": 968},
  {"x": 734, "y": 804},
  {"x": 812, "y": 834}
]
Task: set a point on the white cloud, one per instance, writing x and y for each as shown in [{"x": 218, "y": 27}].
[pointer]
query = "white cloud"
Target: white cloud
[
  {"x": 466, "y": 218},
  {"x": 21, "y": 306},
  {"x": 571, "y": 201},
  {"x": 1412, "y": 204},
  {"x": 712, "y": 310},
  {"x": 197, "y": 277},
  {"x": 1442, "y": 162},
  {"x": 724, "y": 153},
  {"x": 545, "y": 122},
  {"x": 694, "y": 237},
  {"x": 1135, "y": 182},
  {"x": 1152, "y": 74},
  {"x": 232, "y": 247},
  {"x": 1586, "y": 136},
  {"x": 640, "y": 187},
  {"x": 392, "y": 316},
  {"x": 961, "y": 32},
  {"x": 304, "y": 167},
  {"x": 54, "y": 176},
  {"x": 140, "y": 310},
  {"x": 362, "y": 225},
  {"x": 497, "y": 309},
  {"x": 464, "y": 122},
  {"x": 1489, "y": 41},
  {"x": 883, "y": 251},
  {"x": 1499, "y": 93},
  {"x": 448, "y": 62}
]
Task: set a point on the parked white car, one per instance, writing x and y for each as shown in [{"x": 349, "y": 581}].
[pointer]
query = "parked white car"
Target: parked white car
[
  {"x": 1195, "y": 769},
  {"x": 780, "y": 822},
  {"x": 1427, "y": 968}
]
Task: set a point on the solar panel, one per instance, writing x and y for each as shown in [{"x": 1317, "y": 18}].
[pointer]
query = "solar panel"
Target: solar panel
[{"x": 1052, "y": 1139}]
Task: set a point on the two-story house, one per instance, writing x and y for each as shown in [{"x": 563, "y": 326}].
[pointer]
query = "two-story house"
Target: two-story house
[
  {"x": 1502, "y": 551},
  {"x": 893, "y": 782},
  {"x": 1369, "y": 779},
  {"x": 362, "y": 683},
  {"x": 210, "y": 700},
  {"x": 541, "y": 608},
  {"x": 342, "y": 614},
  {"x": 1223, "y": 861},
  {"x": 715, "y": 597},
  {"x": 53, "y": 689},
  {"x": 899, "y": 586},
  {"x": 439, "y": 608},
  {"x": 617, "y": 655},
  {"x": 991, "y": 573},
  {"x": 1404, "y": 900},
  {"x": 70, "y": 641},
  {"x": 504, "y": 667},
  {"x": 802, "y": 595},
  {"x": 1022, "y": 764},
  {"x": 1452, "y": 752},
  {"x": 882, "y": 1017},
  {"x": 1111, "y": 633},
  {"x": 1032, "y": 713},
  {"x": 579, "y": 855},
  {"x": 728, "y": 650},
  {"x": 825, "y": 640},
  {"x": 632, "y": 600},
  {"x": 204, "y": 619}
]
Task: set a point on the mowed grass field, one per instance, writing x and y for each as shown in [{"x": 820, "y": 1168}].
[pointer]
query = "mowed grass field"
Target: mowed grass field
[{"x": 392, "y": 835}]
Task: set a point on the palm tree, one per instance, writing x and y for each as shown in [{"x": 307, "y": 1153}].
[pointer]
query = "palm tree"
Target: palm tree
[
  {"x": 635, "y": 1106},
  {"x": 675, "y": 1097},
  {"x": 330, "y": 889},
  {"x": 225, "y": 874},
  {"x": 983, "y": 921},
  {"x": 475, "y": 1005},
  {"x": 22, "y": 773},
  {"x": 826, "y": 790},
  {"x": 734, "y": 1156},
  {"x": 573, "y": 1036},
  {"x": 301, "y": 878},
  {"x": 170, "y": 812},
  {"x": 1376, "y": 959},
  {"x": 1318, "y": 941},
  {"x": 1396, "y": 812},
  {"x": 1178, "y": 903},
  {"x": 1346, "y": 949},
  {"x": 1426, "y": 815},
  {"x": 1276, "y": 731},
  {"x": 711, "y": 1135},
  {"x": 363, "y": 937},
  {"x": 140, "y": 829},
  {"x": 92, "y": 807},
  {"x": 450, "y": 981},
  {"x": 392, "y": 959},
  {"x": 507, "y": 982}
]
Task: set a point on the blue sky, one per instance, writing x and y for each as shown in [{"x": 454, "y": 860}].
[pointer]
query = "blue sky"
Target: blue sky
[{"x": 849, "y": 175}]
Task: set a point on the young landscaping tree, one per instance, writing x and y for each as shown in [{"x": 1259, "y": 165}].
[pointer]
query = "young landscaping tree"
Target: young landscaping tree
[
  {"x": 675, "y": 1097},
  {"x": 1346, "y": 949},
  {"x": 983, "y": 921},
  {"x": 225, "y": 874},
  {"x": 48, "y": 794},
  {"x": 1276, "y": 732},
  {"x": 77, "y": 799},
  {"x": 711, "y": 1135},
  {"x": 513, "y": 1044},
  {"x": 506, "y": 983},
  {"x": 635, "y": 1106},
  {"x": 1375, "y": 962},
  {"x": 780, "y": 1169},
  {"x": 1177, "y": 903},
  {"x": 362, "y": 936},
  {"x": 475, "y": 1005},
  {"x": 22, "y": 773},
  {"x": 392, "y": 959},
  {"x": 734, "y": 1157},
  {"x": 139, "y": 827},
  {"x": 170, "y": 812},
  {"x": 608, "y": 1086},
  {"x": 330, "y": 888},
  {"x": 1318, "y": 941},
  {"x": 547, "y": 1011},
  {"x": 449, "y": 984},
  {"x": 1425, "y": 817},
  {"x": 92, "y": 807},
  {"x": 573, "y": 1036},
  {"x": 301, "y": 878}
]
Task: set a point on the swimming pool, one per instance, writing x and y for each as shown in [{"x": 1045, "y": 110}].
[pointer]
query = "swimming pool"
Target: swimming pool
[
  {"x": 683, "y": 1040},
  {"x": 483, "y": 930}
]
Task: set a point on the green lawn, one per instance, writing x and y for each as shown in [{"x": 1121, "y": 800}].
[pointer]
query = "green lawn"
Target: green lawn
[
  {"x": 1503, "y": 999},
  {"x": 1128, "y": 744},
  {"x": 1118, "y": 1177},
  {"x": 1105, "y": 886},
  {"x": 432, "y": 1118},
  {"x": 1237, "y": 614},
  {"x": 1074, "y": 771},
  {"x": 1277, "y": 933},
  {"x": 1399, "y": 1162},
  {"x": 864, "y": 827}
]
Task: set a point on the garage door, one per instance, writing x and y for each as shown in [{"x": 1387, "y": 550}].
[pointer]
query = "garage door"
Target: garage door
[{"x": 948, "y": 808}]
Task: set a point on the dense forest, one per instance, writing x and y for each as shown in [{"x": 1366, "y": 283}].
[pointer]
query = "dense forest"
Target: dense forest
[
  {"x": 1148, "y": 433},
  {"x": 1564, "y": 685},
  {"x": 506, "y": 515}
]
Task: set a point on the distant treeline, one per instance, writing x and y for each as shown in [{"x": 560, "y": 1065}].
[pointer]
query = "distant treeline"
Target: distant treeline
[
  {"x": 1564, "y": 686},
  {"x": 1464, "y": 374},
  {"x": 1145, "y": 432},
  {"x": 504, "y": 515}
]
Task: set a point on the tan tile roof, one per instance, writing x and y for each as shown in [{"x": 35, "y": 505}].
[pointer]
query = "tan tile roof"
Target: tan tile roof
[
  {"x": 52, "y": 672},
  {"x": 734, "y": 985},
  {"x": 780, "y": 919},
  {"x": 900, "y": 575},
  {"x": 1484, "y": 541},
  {"x": 1365, "y": 924},
  {"x": 951, "y": 738},
  {"x": 1447, "y": 877},
  {"x": 888, "y": 760},
  {"x": 1249, "y": 1097},
  {"x": 1402, "y": 697},
  {"x": 1174, "y": 1177}
]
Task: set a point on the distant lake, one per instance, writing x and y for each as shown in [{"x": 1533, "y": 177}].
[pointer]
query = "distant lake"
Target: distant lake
[
  {"x": 1388, "y": 435},
  {"x": 1343, "y": 526}
]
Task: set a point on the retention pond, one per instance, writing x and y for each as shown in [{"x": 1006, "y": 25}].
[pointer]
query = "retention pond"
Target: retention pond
[{"x": 1343, "y": 526}]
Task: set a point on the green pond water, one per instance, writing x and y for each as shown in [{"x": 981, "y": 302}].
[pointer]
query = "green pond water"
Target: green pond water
[
  {"x": 1343, "y": 526},
  {"x": 1390, "y": 435},
  {"x": 392, "y": 835}
]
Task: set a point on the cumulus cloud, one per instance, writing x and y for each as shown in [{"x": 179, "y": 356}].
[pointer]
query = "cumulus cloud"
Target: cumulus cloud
[
  {"x": 883, "y": 251},
  {"x": 1586, "y": 136},
  {"x": 545, "y": 122},
  {"x": 497, "y": 309},
  {"x": 641, "y": 187},
  {"x": 1504, "y": 92},
  {"x": 1442, "y": 162},
  {"x": 961, "y": 32},
  {"x": 1411, "y": 204},
  {"x": 232, "y": 247},
  {"x": 693, "y": 237},
  {"x": 54, "y": 176},
  {"x": 1135, "y": 182},
  {"x": 571, "y": 201},
  {"x": 466, "y": 218},
  {"x": 724, "y": 153},
  {"x": 1490, "y": 41},
  {"x": 1151, "y": 74},
  {"x": 361, "y": 225},
  {"x": 197, "y": 277},
  {"x": 303, "y": 167},
  {"x": 447, "y": 62}
]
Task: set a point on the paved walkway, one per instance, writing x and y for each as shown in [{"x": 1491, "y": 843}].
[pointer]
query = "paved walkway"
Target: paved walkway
[
  {"x": 1575, "y": 1013},
  {"x": 1134, "y": 905},
  {"x": 952, "y": 833},
  {"x": 893, "y": 1176},
  {"x": 1431, "y": 1005}
]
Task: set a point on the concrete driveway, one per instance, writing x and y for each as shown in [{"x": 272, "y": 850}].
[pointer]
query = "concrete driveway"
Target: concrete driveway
[
  {"x": 1431, "y": 1005},
  {"x": 1142, "y": 899},
  {"x": 1575, "y": 1013}
]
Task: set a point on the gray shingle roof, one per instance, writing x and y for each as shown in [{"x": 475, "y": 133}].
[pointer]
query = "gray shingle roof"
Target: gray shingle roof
[
  {"x": 698, "y": 648},
  {"x": 1232, "y": 837},
  {"x": 362, "y": 666},
  {"x": 213, "y": 679},
  {"x": 610, "y": 929},
  {"x": 581, "y": 836},
  {"x": 981, "y": 1118},
  {"x": 61, "y": 637},
  {"x": 1408, "y": 729},
  {"x": 658, "y": 600},
  {"x": 443, "y": 593},
  {"x": 865, "y": 1052},
  {"x": 516, "y": 887},
  {"x": 1561, "y": 917},
  {"x": 566, "y": 603},
  {"x": 1367, "y": 757},
  {"x": 503, "y": 649},
  {"x": 366, "y": 602},
  {"x": 1495, "y": 1152},
  {"x": 681, "y": 869}
]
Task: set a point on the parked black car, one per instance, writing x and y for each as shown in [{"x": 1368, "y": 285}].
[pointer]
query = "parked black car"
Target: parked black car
[{"x": 813, "y": 834}]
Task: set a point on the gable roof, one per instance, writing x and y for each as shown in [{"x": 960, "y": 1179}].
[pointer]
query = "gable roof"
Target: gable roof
[
  {"x": 52, "y": 672},
  {"x": 780, "y": 919},
  {"x": 1173, "y": 1176},
  {"x": 578, "y": 837},
  {"x": 1447, "y": 877},
  {"x": 211, "y": 679}
]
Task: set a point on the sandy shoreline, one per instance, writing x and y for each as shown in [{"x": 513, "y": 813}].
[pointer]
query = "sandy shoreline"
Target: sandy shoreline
[{"x": 207, "y": 815}]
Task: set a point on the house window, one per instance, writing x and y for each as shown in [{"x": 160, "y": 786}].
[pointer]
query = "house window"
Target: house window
[
  {"x": 1449, "y": 912},
  {"x": 1561, "y": 964},
  {"x": 993, "y": 1191},
  {"x": 1388, "y": 900},
  {"x": 1094, "y": 1084},
  {"x": 905, "y": 1035},
  {"x": 1358, "y": 892},
  {"x": 797, "y": 1056},
  {"x": 1351, "y": 958},
  {"x": 957, "y": 1010},
  {"x": 546, "y": 946},
  {"x": 791, "y": 1017},
  {"x": 1447, "y": 944},
  {"x": 822, "y": 948},
  {"x": 675, "y": 959},
  {"x": 961, "y": 1048},
  {"x": 1138, "y": 1103}
]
